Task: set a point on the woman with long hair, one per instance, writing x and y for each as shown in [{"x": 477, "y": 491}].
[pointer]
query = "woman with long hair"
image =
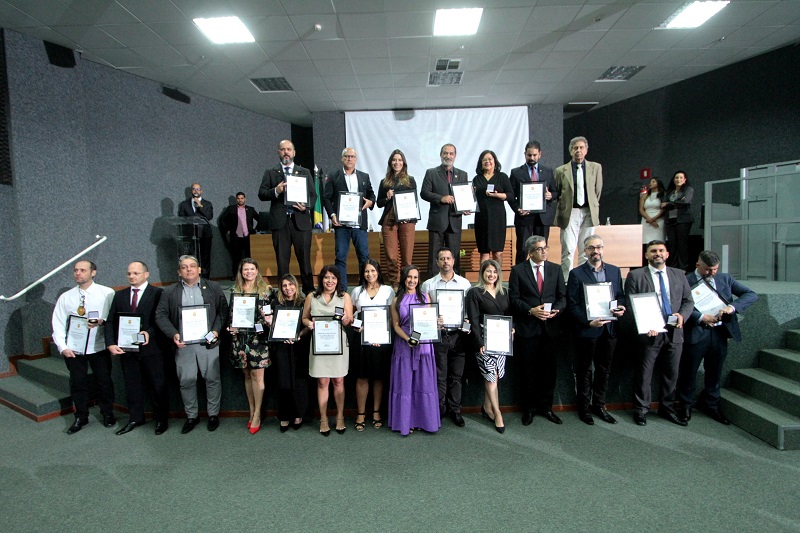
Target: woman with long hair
[
  {"x": 652, "y": 215},
  {"x": 398, "y": 235},
  {"x": 678, "y": 202},
  {"x": 492, "y": 190}
]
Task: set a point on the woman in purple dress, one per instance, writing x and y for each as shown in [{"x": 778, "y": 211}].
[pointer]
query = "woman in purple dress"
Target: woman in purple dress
[{"x": 413, "y": 396}]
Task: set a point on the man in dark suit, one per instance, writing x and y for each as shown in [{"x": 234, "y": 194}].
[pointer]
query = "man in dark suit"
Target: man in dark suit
[
  {"x": 201, "y": 212},
  {"x": 707, "y": 337},
  {"x": 204, "y": 355},
  {"x": 533, "y": 286},
  {"x": 290, "y": 224},
  {"x": 659, "y": 278},
  {"x": 348, "y": 179},
  {"x": 595, "y": 339},
  {"x": 444, "y": 224},
  {"x": 146, "y": 364},
  {"x": 236, "y": 224},
  {"x": 525, "y": 222}
]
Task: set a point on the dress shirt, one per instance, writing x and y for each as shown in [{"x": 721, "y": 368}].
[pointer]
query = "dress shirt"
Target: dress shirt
[
  {"x": 98, "y": 298},
  {"x": 141, "y": 288},
  {"x": 534, "y": 267},
  {"x": 575, "y": 184},
  {"x": 436, "y": 282},
  {"x": 599, "y": 275},
  {"x": 351, "y": 180},
  {"x": 656, "y": 283}
]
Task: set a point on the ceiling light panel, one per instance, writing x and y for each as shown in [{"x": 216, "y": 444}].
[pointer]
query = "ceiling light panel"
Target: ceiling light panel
[
  {"x": 457, "y": 21},
  {"x": 224, "y": 30}
]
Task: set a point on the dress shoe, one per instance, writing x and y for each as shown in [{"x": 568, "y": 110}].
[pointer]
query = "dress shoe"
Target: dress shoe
[
  {"x": 586, "y": 418},
  {"x": 552, "y": 417},
  {"x": 527, "y": 418},
  {"x": 602, "y": 414},
  {"x": 717, "y": 415},
  {"x": 324, "y": 433},
  {"x": 500, "y": 429},
  {"x": 109, "y": 421},
  {"x": 340, "y": 430},
  {"x": 640, "y": 419},
  {"x": 674, "y": 418},
  {"x": 189, "y": 425},
  {"x": 77, "y": 425},
  {"x": 285, "y": 428},
  {"x": 297, "y": 425},
  {"x": 253, "y": 429},
  {"x": 213, "y": 423},
  {"x": 687, "y": 414},
  {"x": 161, "y": 427},
  {"x": 458, "y": 420},
  {"x": 130, "y": 426},
  {"x": 485, "y": 414}
]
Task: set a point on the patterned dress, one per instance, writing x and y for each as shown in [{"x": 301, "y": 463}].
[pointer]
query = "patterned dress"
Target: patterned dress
[{"x": 249, "y": 349}]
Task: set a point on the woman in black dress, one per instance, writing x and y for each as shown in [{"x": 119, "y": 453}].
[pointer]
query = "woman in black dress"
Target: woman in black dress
[
  {"x": 677, "y": 203},
  {"x": 490, "y": 220}
]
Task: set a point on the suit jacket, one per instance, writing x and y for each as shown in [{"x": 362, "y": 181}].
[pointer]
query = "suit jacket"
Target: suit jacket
[
  {"x": 682, "y": 206},
  {"x": 387, "y": 203},
  {"x": 566, "y": 194},
  {"x": 576, "y": 299},
  {"x": 727, "y": 287},
  {"x": 680, "y": 295},
  {"x": 434, "y": 186},
  {"x": 168, "y": 315},
  {"x": 206, "y": 213},
  {"x": 277, "y": 211},
  {"x": 520, "y": 175},
  {"x": 337, "y": 183},
  {"x": 146, "y": 307},
  {"x": 229, "y": 220},
  {"x": 524, "y": 294}
]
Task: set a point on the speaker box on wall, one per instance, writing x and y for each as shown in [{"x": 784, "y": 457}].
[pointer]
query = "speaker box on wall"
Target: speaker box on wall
[{"x": 58, "y": 55}]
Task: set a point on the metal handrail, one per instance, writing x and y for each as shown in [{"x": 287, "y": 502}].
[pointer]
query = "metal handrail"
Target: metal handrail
[{"x": 100, "y": 240}]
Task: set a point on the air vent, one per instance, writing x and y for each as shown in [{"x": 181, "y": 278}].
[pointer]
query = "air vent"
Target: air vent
[
  {"x": 619, "y": 74},
  {"x": 579, "y": 107},
  {"x": 271, "y": 85},
  {"x": 447, "y": 64},
  {"x": 439, "y": 79}
]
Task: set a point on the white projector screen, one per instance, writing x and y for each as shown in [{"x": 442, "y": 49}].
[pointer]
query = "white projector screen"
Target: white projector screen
[{"x": 420, "y": 134}]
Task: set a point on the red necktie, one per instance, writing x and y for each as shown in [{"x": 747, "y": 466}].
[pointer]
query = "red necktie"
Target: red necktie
[
  {"x": 449, "y": 179},
  {"x": 539, "y": 280},
  {"x": 534, "y": 174},
  {"x": 134, "y": 300}
]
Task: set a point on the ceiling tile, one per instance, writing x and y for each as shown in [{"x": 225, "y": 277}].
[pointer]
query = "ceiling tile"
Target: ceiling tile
[
  {"x": 340, "y": 82},
  {"x": 334, "y": 67},
  {"x": 739, "y": 13},
  {"x": 744, "y": 37},
  {"x": 598, "y": 17},
  {"x": 179, "y": 32},
  {"x": 411, "y": 80},
  {"x": 484, "y": 78},
  {"x": 89, "y": 37},
  {"x": 639, "y": 57},
  {"x": 601, "y": 58},
  {"x": 262, "y": 70},
  {"x": 297, "y": 68},
  {"x": 777, "y": 15},
  {"x": 297, "y": 7},
  {"x": 203, "y": 8},
  {"x": 362, "y": 48},
  {"x": 346, "y": 95},
  {"x": 489, "y": 62},
  {"x": 160, "y": 55},
  {"x": 255, "y": 8},
  {"x": 329, "y": 49},
  {"x": 153, "y": 10},
  {"x": 285, "y": 50},
  {"x": 646, "y": 15},
  {"x": 275, "y": 28},
  {"x": 305, "y": 83},
  {"x": 132, "y": 35},
  {"x": 563, "y": 59},
  {"x": 516, "y": 76},
  {"x": 551, "y": 18},
  {"x": 318, "y": 95},
  {"x": 581, "y": 40},
  {"x": 371, "y": 25},
  {"x": 621, "y": 39},
  {"x": 409, "y": 92},
  {"x": 714, "y": 57},
  {"x": 504, "y": 21},
  {"x": 304, "y": 26},
  {"x": 413, "y": 24},
  {"x": 405, "y": 65},
  {"x": 14, "y": 18},
  {"x": 660, "y": 39},
  {"x": 51, "y": 13},
  {"x": 377, "y": 94},
  {"x": 102, "y": 11},
  {"x": 245, "y": 53},
  {"x": 373, "y": 81},
  {"x": 120, "y": 57},
  {"x": 378, "y": 65},
  {"x": 411, "y": 46},
  {"x": 531, "y": 42},
  {"x": 522, "y": 61}
]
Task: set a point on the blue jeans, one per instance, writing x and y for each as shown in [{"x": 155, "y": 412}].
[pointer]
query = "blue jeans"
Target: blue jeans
[{"x": 343, "y": 237}]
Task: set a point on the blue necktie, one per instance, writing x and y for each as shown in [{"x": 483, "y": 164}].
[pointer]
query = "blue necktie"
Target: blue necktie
[{"x": 666, "y": 308}]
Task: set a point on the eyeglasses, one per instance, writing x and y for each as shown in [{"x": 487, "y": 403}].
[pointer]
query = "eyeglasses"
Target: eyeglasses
[
  {"x": 348, "y": 157},
  {"x": 593, "y": 248},
  {"x": 541, "y": 249}
]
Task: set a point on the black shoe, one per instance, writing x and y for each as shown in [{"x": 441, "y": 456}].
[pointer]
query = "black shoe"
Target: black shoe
[
  {"x": 717, "y": 415},
  {"x": 130, "y": 426},
  {"x": 527, "y": 418},
  {"x": 674, "y": 418},
  {"x": 500, "y": 429},
  {"x": 586, "y": 418},
  {"x": 161, "y": 427},
  {"x": 552, "y": 417},
  {"x": 485, "y": 414},
  {"x": 189, "y": 425},
  {"x": 687, "y": 414},
  {"x": 213, "y": 423},
  {"x": 601, "y": 413},
  {"x": 442, "y": 413},
  {"x": 640, "y": 419},
  {"x": 298, "y": 425},
  {"x": 285, "y": 428},
  {"x": 458, "y": 420},
  {"x": 109, "y": 421},
  {"x": 77, "y": 425}
]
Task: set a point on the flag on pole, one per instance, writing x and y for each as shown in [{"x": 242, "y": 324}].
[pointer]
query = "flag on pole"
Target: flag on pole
[{"x": 318, "y": 185}]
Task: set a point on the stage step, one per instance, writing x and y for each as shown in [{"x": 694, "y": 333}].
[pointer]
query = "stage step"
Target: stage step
[
  {"x": 793, "y": 339},
  {"x": 778, "y": 391},
  {"x": 35, "y": 398},
  {"x": 758, "y": 418},
  {"x": 50, "y": 371},
  {"x": 782, "y": 362}
]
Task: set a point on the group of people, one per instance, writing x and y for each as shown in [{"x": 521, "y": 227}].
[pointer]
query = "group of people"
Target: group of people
[{"x": 666, "y": 215}]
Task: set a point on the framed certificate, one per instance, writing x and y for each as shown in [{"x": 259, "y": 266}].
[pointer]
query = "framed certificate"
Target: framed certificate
[
  {"x": 244, "y": 310},
  {"x": 285, "y": 323},
  {"x": 531, "y": 197},
  {"x": 425, "y": 321},
  {"x": 349, "y": 209},
  {"x": 128, "y": 328},
  {"x": 77, "y": 334},
  {"x": 497, "y": 335},
  {"x": 451, "y": 307},
  {"x": 598, "y": 297},
  {"x": 375, "y": 327},
  {"x": 327, "y": 336},
  {"x": 296, "y": 190},
  {"x": 464, "y": 196},
  {"x": 706, "y": 300},
  {"x": 406, "y": 206},
  {"x": 193, "y": 325},
  {"x": 647, "y": 312}
]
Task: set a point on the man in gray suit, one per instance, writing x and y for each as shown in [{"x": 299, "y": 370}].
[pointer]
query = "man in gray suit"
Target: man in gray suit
[
  {"x": 579, "y": 184},
  {"x": 676, "y": 300},
  {"x": 444, "y": 224}
]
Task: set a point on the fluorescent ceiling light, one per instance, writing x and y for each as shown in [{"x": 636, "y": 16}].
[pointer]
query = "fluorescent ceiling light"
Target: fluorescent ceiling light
[
  {"x": 224, "y": 30},
  {"x": 694, "y": 14},
  {"x": 457, "y": 21}
]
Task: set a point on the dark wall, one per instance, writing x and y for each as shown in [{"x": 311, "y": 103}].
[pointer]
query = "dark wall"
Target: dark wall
[{"x": 711, "y": 125}]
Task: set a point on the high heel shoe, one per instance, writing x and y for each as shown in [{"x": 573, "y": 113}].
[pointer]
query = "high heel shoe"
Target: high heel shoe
[
  {"x": 285, "y": 428},
  {"x": 500, "y": 429},
  {"x": 255, "y": 429},
  {"x": 361, "y": 426},
  {"x": 297, "y": 425},
  {"x": 341, "y": 430},
  {"x": 249, "y": 424},
  {"x": 324, "y": 433},
  {"x": 485, "y": 414}
]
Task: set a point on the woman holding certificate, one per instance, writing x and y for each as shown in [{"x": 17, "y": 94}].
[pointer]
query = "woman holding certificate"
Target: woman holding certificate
[
  {"x": 413, "y": 394},
  {"x": 249, "y": 349},
  {"x": 492, "y": 190},
  {"x": 371, "y": 360},
  {"x": 398, "y": 230},
  {"x": 488, "y": 297},
  {"x": 677, "y": 203},
  {"x": 329, "y": 356}
]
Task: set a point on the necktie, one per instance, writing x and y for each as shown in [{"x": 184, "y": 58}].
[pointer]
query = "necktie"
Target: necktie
[
  {"x": 134, "y": 300},
  {"x": 539, "y": 280},
  {"x": 534, "y": 174},
  {"x": 581, "y": 194},
  {"x": 666, "y": 308},
  {"x": 286, "y": 170},
  {"x": 449, "y": 178}
]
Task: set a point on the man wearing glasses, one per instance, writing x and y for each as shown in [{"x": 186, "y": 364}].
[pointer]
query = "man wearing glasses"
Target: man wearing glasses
[{"x": 201, "y": 210}]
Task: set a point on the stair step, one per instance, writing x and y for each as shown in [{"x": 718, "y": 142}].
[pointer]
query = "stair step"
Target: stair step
[
  {"x": 50, "y": 371},
  {"x": 778, "y": 391},
  {"x": 779, "y": 361},
  {"x": 793, "y": 339},
  {"x": 769, "y": 424},
  {"x": 33, "y": 397}
]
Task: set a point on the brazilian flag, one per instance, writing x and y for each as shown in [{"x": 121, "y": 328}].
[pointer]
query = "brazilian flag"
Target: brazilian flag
[{"x": 318, "y": 185}]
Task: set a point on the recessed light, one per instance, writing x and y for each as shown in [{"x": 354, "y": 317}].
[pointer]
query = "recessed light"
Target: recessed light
[
  {"x": 224, "y": 30},
  {"x": 693, "y": 14},
  {"x": 457, "y": 21}
]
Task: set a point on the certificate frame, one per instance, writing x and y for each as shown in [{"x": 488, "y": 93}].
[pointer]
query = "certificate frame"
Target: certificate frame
[
  {"x": 295, "y": 183},
  {"x": 371, "y": 309},
  {"x": 193, "y": 337},
  {"x": 596, "y": 306},
  {"x": 447, "y": 295},
  {"x": 459, "y": 191},
  {"x": 706, "y": 300},
  {"x": 498, "y": 325},
  {"x": 426, "y": 334},
  {"x": 128, "y": 321},
  {"x": 647, "y": 312},
  {"x": 348, "y": 198},
  {"x": 323, "y": 324},
  {"x": 530, "y": 194},
  {"x": 406, "y": 216},
  {"x": 77, "y": 327},
  {"x": 280, "y": 313},
  {"x": 236, "y": 301}
]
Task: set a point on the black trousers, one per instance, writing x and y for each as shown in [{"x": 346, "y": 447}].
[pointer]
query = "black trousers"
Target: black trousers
[
  {"x": 205, "y": 256},
  {"x": 711, "y": 351},
  {"x": 142, "y": 372},
  {"x": 538, "y": 381},
  {"x": 449, "y": 238},
  {"x": 528, "y": 228},
  {"x": 291, "y": 361},
  {"x": 678, "y": 244},
  {"x": 283, "y": 240},
  {"x": 239, "y": 248},
  {"x": 78, "y": 367},
  {"x": 600, "y": 351},
  {"x": 450, "y": 362}
]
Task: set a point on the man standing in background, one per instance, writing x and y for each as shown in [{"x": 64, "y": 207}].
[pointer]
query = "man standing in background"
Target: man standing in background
[
  {"x": 236, "y": 224},
  {"x": 202, "y": 212}
]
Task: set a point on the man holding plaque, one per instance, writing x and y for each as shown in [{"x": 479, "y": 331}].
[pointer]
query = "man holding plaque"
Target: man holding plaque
[
  {"x": 141, "y": 360},
  {"x": 536, "y": 291},
  {"x": 197, "y": 341},
  {"x": 444, "y": 222},
  {"x": 707, "y": 335},
  {"x": 290, "y": 212},
  {"x": 450, "y": 351},
  {"x": 201, "y": 212},
  {"x": 596, "y": 332},
  {"x": 528, "y": 222},
  {"x": 86, "y": 300},
  {"x": 675, "y": 299},
  {"x": 357, "y": 189}
]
